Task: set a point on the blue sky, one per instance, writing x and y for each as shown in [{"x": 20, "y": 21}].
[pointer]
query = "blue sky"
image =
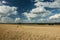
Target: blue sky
[{"x": 29, "y": 11}]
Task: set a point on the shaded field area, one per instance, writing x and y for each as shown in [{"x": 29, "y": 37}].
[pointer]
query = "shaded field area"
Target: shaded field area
[{"x": 29, "y": 32}]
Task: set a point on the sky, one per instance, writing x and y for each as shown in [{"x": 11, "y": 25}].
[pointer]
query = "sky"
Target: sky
[{"x": 29, "y": 11}]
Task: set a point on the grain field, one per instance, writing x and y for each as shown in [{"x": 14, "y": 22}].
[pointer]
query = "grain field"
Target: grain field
[{"x": 29, "y": 32}]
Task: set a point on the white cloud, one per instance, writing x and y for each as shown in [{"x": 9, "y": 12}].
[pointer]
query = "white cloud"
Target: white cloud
[
  {"x": 55, "y": 16},
  {"x": 6, "y": 11},
  {"x": 41, "y": 12},
  {"x": 6, "y": 20},
  {"x": 55, "y": 4},
  {"x": 37, "y": 12},
  {"x": 38, "y": 9},
  {"x": 4, "y": 2},
  {"x": 30, "y": 15},
  {"x": 17, "y": 20}
]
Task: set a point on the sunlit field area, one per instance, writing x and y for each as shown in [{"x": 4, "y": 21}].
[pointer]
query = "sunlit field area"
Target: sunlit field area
[{"x": 29, "y": 32}]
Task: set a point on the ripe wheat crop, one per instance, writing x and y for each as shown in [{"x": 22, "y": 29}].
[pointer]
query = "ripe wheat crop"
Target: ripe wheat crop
[{"x": 29, "y": 32}]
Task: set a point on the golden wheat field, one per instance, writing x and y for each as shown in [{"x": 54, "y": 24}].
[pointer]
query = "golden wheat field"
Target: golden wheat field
[{"x": 29, "y": 32}]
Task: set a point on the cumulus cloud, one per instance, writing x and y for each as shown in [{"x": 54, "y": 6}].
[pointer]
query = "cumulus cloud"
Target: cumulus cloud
[
  {"x": 37, "y": 12},
  {"x": 6, "y": 20},
  {"x": 55, "y": 16},
  {"x": 30, "y": 15},
  {"x": 17, "y": 20},
  {"x": 55, "y": 4},
  {"x": 41, "y": 12},
  {"x": 36, "y": 15},
  {"x": 6, "y": 11},
  {"x": 4, "y": 2}
]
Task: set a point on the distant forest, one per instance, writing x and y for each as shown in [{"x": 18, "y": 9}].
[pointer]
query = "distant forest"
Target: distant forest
[{"x": 34, "y": 23}]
